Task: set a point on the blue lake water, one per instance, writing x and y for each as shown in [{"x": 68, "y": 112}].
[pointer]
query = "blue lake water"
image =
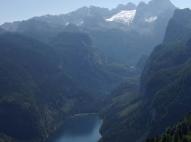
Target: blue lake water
[{"x": 84, "y": 128}]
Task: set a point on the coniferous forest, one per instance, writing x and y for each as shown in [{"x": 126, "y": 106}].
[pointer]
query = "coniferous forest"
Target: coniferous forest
[{"x": 120, "y": 74}]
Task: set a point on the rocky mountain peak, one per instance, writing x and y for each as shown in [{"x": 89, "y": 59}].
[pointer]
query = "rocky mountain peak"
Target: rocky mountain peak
[{"x": 179, "y": 26}]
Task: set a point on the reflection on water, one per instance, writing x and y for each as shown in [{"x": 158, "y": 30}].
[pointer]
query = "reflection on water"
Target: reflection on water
[{"x": 80, "y": 129}]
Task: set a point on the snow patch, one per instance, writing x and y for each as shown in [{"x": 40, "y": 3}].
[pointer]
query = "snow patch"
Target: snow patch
[
  {"x": 151, "y": 19},
  {"x": 123, "y": 17}
]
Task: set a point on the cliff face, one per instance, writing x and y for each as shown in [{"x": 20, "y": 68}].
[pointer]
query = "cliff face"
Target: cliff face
[
  {"x": 165, "y": 93},
  {"x": 166, "y": 79}
]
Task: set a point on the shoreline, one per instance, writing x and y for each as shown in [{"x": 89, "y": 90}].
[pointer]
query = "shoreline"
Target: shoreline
[{"x": 82, "y": 114}]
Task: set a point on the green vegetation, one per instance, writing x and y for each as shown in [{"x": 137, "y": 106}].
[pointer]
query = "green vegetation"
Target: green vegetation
[
  {"x": 164, "y": 97},
  {"x": 119, "y": 107},
  {"x": 43, "y": 83},
  {"x": 179, "y": 133},
  {"x": 52, "y": 70},
  {"x": 36, "y": 95}
]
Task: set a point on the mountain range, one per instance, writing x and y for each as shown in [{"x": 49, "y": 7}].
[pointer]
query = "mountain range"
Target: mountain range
[
  {"x": 123, "y": 34},
  {"x": 130, "y": 64}
]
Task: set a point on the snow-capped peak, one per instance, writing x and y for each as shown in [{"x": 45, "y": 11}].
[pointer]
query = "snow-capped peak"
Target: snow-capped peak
[
  {"x": 151, "y": 19},
  {"x": 123, "y": 17}
]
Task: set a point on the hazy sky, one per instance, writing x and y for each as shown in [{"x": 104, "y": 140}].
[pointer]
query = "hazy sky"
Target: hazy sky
[{"x": 11, "y": 10}]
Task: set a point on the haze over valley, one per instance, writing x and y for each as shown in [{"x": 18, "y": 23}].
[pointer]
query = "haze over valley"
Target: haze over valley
[{"x": 117, "y": 74}]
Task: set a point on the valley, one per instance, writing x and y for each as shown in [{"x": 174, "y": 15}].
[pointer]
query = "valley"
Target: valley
[{"x": 97, "y": 74}]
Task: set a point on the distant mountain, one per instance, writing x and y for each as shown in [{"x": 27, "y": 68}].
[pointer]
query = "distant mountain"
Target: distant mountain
[
  {"x": 153, "y": 17},
  {"x": 83, "y": 16},
  {"x": 141, "y": 27},
  {"x": 87, "y": 16},
  {"x": 182, "y": 34},
  {"x": 54, "y": 66},
  {"x": 123, "y": 17},
  {"x": 83, "y": 63},
  {"x": 120, "y": 7}
]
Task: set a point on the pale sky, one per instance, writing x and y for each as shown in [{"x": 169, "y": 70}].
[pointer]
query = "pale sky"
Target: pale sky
[{"x": 12, "y": 10}]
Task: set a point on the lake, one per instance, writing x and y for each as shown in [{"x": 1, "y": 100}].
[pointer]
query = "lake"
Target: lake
[{"x": 82, "y": 128}]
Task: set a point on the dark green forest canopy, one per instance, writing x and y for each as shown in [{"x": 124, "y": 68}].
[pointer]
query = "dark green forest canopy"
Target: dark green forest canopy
[{"x": 181, "y": 132}]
